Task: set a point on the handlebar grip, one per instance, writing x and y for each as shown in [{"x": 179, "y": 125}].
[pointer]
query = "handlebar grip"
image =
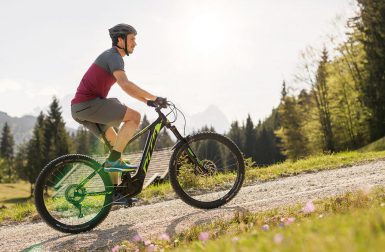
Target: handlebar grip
[{"x": 151, "y": 103}]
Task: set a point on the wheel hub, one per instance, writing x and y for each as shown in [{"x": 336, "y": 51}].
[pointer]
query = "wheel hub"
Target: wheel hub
[
  {"x": 209, "y": 167},
  {"x": 75, "y": 195}
]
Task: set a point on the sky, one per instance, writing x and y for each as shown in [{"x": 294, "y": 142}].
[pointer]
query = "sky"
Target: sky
[{"x": 232, "y": 54}]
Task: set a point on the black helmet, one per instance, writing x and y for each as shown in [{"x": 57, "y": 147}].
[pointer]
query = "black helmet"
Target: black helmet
[{"x": 121, "y": 30}]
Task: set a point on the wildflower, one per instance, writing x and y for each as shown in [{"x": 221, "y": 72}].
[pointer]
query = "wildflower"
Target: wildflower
[
  {"x": 308, "y": 208},
  {"x": 234, "y": 239},
  {"x": 116, "y": 248},
  {"x": 150, "y": 248},
  {"x": 204, "y": 236},
  {"x": 147, "y": 243},
  {"x": 164, "y": 237},
  {"x": 289, "y": 220},
  {"x": 136, "y": 238},
  {"x": 265, "y": 227},
  {"x": 278, "y": 238}
]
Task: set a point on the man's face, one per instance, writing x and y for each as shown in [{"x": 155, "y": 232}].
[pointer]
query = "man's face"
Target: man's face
[{"x": 130, "y": 43}]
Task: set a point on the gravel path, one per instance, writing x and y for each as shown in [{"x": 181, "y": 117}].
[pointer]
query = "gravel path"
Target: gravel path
[{"x": 173, "y": 216}]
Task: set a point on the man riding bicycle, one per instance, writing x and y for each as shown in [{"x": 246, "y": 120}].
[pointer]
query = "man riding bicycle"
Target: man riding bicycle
[{"x": 91, "y": 108}]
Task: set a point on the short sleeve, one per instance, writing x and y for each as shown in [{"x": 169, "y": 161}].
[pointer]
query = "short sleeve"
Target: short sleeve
[{"x": 115, "y": 62}]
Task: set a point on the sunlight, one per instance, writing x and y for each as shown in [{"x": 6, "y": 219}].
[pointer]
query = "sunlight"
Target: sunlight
[{"x": 208, "y": 32}]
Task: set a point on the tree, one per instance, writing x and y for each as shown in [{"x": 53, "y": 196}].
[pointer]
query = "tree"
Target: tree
[
  {"x": 294, "y": 142},
  {"x": 164, "y": 140},
  {"x": 82, "y": 141},
  {"x": 249, "y": 138},
  {"x": 143, "y": 138},
  {"x": 35, "y": 151},
  {"x": 56, "y": 138},
  {"x": 6, "y": 151},
  {"x": 236, "y": 134},
  {"x": 372, "y": 24},
  {"x": 320, "y": 94}
]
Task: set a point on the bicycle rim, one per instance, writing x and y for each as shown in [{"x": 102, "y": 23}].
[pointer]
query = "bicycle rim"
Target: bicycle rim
[
  {"x": 67, "y": 201},
  {"x": 215, "y": 178}
]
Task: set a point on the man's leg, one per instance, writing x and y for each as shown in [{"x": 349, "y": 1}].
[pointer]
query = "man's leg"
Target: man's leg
[
  {"x": 111, "y": 138},
  {"x": 131, "y": 122}
]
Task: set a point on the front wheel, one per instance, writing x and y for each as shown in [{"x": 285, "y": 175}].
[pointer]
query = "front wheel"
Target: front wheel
[
  {"x": 207, "y": 171},
  {"x": 73, "y": 194}
]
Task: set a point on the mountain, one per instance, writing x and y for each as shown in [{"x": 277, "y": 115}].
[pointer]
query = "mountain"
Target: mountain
[
  {"x": 211, "y": 116},
  {"x": 21, "y": 127}
]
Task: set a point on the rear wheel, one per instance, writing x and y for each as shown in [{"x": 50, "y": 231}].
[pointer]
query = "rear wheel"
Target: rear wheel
[
  {"x": 67, "y": 205},
  {"x": 208, "y": 171}
]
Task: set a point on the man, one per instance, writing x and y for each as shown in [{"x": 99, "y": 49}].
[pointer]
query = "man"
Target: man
[{"x": 91, "y": 108}]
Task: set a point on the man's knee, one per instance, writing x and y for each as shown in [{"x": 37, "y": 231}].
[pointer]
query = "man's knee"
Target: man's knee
[{"x": 132, "y": 115}]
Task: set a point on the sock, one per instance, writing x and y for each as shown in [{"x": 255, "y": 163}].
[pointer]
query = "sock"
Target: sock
[{"x": 114, "y": 155}]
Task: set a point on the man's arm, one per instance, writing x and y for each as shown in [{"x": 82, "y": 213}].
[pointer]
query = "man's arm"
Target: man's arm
[{"x": 131, "y": 89}]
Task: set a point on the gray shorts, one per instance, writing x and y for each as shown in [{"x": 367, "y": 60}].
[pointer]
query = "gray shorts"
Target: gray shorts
[{"x": 103, "y": 112}]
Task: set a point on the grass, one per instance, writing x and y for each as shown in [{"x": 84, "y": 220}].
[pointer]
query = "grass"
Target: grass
[
  {"x": 349, "y": 222},
  {"x": 378, "y": 145},
  {"x": 285, "y": 169},
  {"x": 12, "y": 193},
  {"x": 18, "y": 207}
]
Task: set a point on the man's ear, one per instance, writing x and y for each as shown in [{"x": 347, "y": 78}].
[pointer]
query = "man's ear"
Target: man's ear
[{"x": 119, "y": 39}]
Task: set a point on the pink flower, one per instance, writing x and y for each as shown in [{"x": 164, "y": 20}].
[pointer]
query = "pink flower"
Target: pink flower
[
  {"x": 289, "y": 220},
  {"x": 234, "y": 239},
  {"x": 308, "y": 208},
  {"x": 147, "y": 243},
  {"x": 150, "y": 248},
  {"x": 136, "y": 238},
  {"x": 265, "y": 227},
  {"x": 204, "y": 236},
  {"x": 164, "y": 237},
  {"x": 278, "y": 238},
  {"x": 116, "y": 248}
]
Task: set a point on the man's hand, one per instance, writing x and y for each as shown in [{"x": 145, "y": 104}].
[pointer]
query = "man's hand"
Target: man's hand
[{"x": 159, "y": 101}]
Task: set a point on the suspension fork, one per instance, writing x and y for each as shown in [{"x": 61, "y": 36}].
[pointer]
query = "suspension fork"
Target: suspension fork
[{"x": 193, "y": 157}]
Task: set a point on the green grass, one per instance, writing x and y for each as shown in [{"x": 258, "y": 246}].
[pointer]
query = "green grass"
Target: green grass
[
  {"x": 349, "y": 222},
  {"x": 18, "y": 212},
  {"x": 378, "y": 145},
  {"x": 311, "y": 164}
]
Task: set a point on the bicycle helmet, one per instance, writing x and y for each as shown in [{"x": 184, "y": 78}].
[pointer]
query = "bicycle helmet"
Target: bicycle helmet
[{"x": 121, "y": 30}]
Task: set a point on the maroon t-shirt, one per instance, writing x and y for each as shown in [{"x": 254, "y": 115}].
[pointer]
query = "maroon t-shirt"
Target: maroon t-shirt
[{"x": 98, "y": 79}]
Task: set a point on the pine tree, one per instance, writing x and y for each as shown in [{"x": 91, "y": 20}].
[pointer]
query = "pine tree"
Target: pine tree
[
  {"x": 21, "y": 163},
  {"x": 372, "y": 25},
  {"x": 164, "y": 140},
  {"x": 249, "y": 139},
  {"x": 57, "y": 142},
  {"x": 7, "y": 143},
  {"x": 35, "y": 151},
  {"x": 143, "y": 138},
  {"x": 235, "y": 134},
  {"x": 294, "y": 143},
  {"x": 6, "y": 151},
  {"x": 82, "y": 141}
]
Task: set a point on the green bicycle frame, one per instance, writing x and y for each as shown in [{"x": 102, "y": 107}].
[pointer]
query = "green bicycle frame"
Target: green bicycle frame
[{"x": 141, "y": 172}]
